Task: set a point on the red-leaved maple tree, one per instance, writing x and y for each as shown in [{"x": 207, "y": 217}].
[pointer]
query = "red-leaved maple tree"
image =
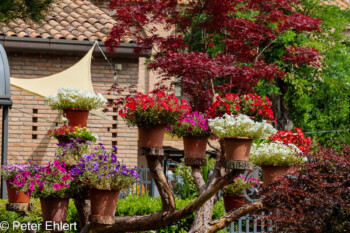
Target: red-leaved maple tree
[{"x": 212, "y": 46}]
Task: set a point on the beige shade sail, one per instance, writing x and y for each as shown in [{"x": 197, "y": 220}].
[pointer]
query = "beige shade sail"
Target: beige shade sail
[{"x": 78, "y": 76}]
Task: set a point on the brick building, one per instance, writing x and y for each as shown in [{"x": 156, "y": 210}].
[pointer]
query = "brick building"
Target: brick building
[{"x": 51, "y": 46}]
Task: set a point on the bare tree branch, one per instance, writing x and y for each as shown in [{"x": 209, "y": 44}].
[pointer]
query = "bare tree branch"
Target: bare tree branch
[
  {"x": 224, "y": 221},
  {"x": 155, "y": 167}
]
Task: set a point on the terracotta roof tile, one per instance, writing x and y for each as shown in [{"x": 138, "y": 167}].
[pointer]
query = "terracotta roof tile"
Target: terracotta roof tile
[{"x": 66, "y": 19}]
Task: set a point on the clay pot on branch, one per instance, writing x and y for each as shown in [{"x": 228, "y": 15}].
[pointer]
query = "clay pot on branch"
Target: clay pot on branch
[
  {"x": 275, "y": 159},
  {"x": 76, "y": 117},
  {"x": 54, "y": 209},
  {"x": 103, "y": 202},
  {"x": 232, "y": 202},
  {"x": 151, "y": 137},
  {"x": 16, "y": 196},
  {"x": 75, "y": 104},
  {"x": 195, "y": 150}
]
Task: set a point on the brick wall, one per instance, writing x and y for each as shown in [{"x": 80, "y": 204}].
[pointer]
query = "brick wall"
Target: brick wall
[{"x": 30, "y": 118}]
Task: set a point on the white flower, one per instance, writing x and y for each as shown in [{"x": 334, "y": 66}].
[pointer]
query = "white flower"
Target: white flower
[
  {"x": 240, "y": 126},
  {"x": 74, "y": 98}
]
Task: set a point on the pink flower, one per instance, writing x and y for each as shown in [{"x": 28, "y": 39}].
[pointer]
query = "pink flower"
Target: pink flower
[
  {"x": 62, "y": 185},
  {"x": 56, "y": 186},
  {"x": 66, "y": 177}
]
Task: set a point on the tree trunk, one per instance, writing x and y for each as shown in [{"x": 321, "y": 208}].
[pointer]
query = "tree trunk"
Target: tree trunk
[
  {"x": 281, "y": 113},
  {"x": 83, "y": 207}
]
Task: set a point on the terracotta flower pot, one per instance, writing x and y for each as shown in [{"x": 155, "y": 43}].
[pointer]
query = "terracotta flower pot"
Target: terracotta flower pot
[
  {"x": 272, "y": 173},
  {"x": 54, "y": 209},
  {"x": 103, "y": 202},
  {"x": 77, "y": 117},
  {"x": 151, "y": 137},
  {"x": 233, "y": 201},
  {"x": 63, "y": 140},
  {"x": 238, "y": 149},
  {"x": 16, "y": 196},
  {"x": 195, "y": 150}
]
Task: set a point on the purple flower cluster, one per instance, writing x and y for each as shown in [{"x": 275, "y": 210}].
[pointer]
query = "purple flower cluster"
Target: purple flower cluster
[{"x": 103, "y": 169}]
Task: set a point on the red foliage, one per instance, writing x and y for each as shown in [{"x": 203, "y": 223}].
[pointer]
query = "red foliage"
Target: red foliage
[
  {"x": 297, "y": 138},
  {"x": 314, "y": 198},
  {"x": 303, "y": 55},
  {"x": 237, "y": 63}
]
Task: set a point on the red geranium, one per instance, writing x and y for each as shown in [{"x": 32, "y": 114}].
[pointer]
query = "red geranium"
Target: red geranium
[
  {"x": 297, "y": 138},
  {"x": 250, "y": 105},
  {"x": 153, "y": 109}
]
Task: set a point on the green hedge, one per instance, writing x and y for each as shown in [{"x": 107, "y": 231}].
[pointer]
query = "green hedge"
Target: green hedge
[{"x": 134, "y": 205}]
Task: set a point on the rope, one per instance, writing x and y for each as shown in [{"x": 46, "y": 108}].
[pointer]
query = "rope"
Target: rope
[{"x": 110, "y": 64}]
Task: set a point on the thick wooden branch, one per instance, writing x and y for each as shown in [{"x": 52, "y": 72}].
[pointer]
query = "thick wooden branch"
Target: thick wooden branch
[
  {"x": 164, "y": 217},
  {"x": 198, "y": 179},
  {"x": 233, "y": 215},
  {"x": 167, "y": 196}
]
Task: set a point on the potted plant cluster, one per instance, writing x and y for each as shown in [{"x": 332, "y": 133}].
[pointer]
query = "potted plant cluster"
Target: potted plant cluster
[
  {"x": 52, "y": 185},
  {"x": 194, "y": 129},
  {"x": 254, "y": 106},
  {"x": 75, "y": 104},
  {"x": 238, "y": 133},
  {"x": 64, "y": 134},
  {"x": 151, "y": 113},
  {"x": 233, "y": 193},
  {"x": 106, "y": 177},
  {"x": 17, "y": 176},
  {"x": 275, "y": 158}
]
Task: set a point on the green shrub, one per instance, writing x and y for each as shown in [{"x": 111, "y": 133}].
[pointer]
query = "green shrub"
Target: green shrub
[{"x": 134, "y": 205}]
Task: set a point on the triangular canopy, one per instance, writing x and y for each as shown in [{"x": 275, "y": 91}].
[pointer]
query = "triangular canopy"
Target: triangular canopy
[{"x": 78, "y": 76}]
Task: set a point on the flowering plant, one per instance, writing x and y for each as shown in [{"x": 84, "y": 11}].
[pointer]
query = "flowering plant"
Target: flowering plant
[
  {"x": 51, "y": 180},
  {"x": 240, "y": 126},
  {"x": 240, "y": 184},
  {"x": 276, "y": 153},
  {"x": 192, "y": 124},
  {"x": 154, "y": 109},
  {"x": 70, "y": 132},
  {"x": 19, "y": 174},
  {"x": 250, "y": 105},
  {"x": 297, "y": 138},
  {"x": 74, "y": 98},
  {"x": 72, "y": 151},
  {"x": 102, "y": 170}
]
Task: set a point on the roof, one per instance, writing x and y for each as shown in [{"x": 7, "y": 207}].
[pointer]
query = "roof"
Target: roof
[{"x": 65, "y": 19}]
